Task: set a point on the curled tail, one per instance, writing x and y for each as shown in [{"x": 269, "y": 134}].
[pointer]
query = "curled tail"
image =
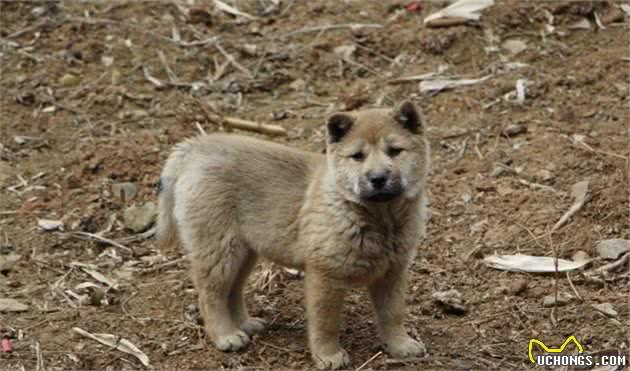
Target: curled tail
[{"x": 166, "y": 228}]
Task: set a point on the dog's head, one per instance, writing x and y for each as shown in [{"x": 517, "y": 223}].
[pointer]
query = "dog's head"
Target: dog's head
[{"x": 378, "y": 154}]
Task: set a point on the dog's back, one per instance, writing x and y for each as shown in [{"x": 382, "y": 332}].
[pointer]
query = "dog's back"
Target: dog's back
[{"x": 258, "y": 185}]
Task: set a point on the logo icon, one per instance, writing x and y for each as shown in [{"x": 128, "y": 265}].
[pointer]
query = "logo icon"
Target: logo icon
[{"x": 530, "y": 347}]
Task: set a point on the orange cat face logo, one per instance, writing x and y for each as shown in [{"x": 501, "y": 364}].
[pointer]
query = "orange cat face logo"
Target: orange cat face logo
[{"x": 567, "y": 341}]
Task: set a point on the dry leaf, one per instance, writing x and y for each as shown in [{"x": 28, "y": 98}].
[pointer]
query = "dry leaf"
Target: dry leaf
[
  {"x": 437, "y": 85},
  {"x": 467, "y": 10},
  {"x": 116, "y": 342},
  {"x": 533, "y": 264}
]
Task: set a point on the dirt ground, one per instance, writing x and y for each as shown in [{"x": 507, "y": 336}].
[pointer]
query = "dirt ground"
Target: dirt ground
[{"x": 81, "y": 112}]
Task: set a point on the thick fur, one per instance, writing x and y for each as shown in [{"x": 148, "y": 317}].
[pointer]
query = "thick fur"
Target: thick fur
[{"x": 350, "y": 218}]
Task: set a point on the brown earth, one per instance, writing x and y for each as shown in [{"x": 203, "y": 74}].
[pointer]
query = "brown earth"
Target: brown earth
[{"x": 78, "y": 114}]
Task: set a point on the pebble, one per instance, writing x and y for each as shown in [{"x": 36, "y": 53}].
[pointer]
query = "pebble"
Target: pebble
[
  {"x": 517, "y": 287},
  {"x": 68, "y": 80},
  {"x": 140, "y": 218},
  {"x": 550, "y": 300},
  {"x": 126, "y": 191},
  {"x": 514, "y": 129}
]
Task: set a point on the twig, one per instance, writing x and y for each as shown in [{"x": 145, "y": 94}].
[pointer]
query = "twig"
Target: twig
[
  {"x": 537, "y": 185},
  {"x": 201, "y": 131},
  {"x": 241, "y": 124},
  {"x": 577, "y": 294},
  {"x": 40, "y": 359},
  {"x": 368, "y": 361},
  {"x": 162, "y": 266},
  {"x": 232, "y": 60},
  {"x": 232, "y": 10},
  {"x": 254, "y": 126},
  {"x": 580, "y": 193},
  {"x": 353, "y": 26},
  {"x": 94, "y": 237},
  {"x": 143, "y": 30},
  {"x": 33, "y": 27},
  {"x": 613, "y": 266},
  {"x": 137, "y": 237},
  {"x": 167, "y": 68},
  {"x": 357, "y": 64},
  {"x": 153, "y": 80}
]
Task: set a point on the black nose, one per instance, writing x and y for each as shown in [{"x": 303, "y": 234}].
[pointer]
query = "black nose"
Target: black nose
[{"x": 378, "y": 179}]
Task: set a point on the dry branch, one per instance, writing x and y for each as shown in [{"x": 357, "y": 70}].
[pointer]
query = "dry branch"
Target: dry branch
[
  {"x": 352, "y": 26},
  {"x": 94, "y": 237}
]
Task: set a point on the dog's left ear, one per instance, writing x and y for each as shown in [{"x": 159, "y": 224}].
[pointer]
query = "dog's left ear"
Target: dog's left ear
[{"x": 409, "y": 117}]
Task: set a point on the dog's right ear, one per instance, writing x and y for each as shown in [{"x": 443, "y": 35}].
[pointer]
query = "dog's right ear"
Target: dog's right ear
[{"x": 338, "y": 125}]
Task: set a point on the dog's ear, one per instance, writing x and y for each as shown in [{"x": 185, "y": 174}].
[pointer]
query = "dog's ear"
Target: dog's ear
[
  {"x": 338, "y": 125},
  {"x": 409, "y": 117}
]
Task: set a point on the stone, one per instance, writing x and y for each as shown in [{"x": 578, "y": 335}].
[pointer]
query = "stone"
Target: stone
[
  {"x": 68, "y": 80},
  {"x": 140, "y": 218},
  {"x": 125, "y": 191}
]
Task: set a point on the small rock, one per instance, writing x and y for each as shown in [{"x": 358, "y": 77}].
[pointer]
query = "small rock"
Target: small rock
[
  {"x": 517, "y": 287},
  {"x": 12, "y": 305},
  {"x": 606, "y": 308},
  {"x": 612, "y": 249},
  {"x": 125, "y": 191},
  {"x": 8, "y": 261},
  {"x": 545, "y": 175},
  {"x": 107, "y": 60},
  {"x": 49, "y": 225},
  {"x": 580, "y": 256},
  {"x": 139, "y": 219},
  {"x": 345, "y": 52},
  {"x": 297, "y": 85},
  {"x": 116, "y": 76},
  {"x": 38, "y": 11},
  {"x": 497, "y": 172},
  {"x": 514, "y": 129},
  {"x": 68, "y": 80},
  {"x": 550, "y": 300},
  {"x": 451, "y": 301},
  {"x": 514, "y": 46}
]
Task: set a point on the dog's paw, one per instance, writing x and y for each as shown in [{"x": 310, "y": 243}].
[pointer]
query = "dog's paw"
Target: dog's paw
[
  {"x": 232, "y": 342},
  {"x": 253, "y": 325},
  {"x": 333, "y": 361},
  {"x": 404, "y": 347}
]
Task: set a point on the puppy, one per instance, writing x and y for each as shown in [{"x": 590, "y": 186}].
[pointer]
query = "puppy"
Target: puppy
[{"x": 349, "y": 218}]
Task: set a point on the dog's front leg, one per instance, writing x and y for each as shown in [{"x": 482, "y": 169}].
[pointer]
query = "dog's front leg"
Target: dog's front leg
[
  {"x": 324, "y": 304},
  {"x": 388, "y": 297}
]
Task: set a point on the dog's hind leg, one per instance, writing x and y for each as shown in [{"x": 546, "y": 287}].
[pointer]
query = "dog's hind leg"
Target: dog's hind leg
[
  {"x": 236, "y": 301},
  {"x": 217, "y": 258}
]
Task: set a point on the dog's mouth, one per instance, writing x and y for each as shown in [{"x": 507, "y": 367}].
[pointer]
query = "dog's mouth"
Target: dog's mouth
[{"x": 384, "y": 195}]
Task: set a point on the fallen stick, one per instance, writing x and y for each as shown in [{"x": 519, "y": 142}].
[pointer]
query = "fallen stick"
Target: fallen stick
[
  {"x": 137, "y": 237},
  {"x": 353, "y": 26},
  {"x": 580, "y": 192},
  {"x": 171, "y": 75},
  {"x": 232, "y": 60},
  {"x": 614, "y": 265},
  {"x": 94, "y": 237},
  {"x": 368, "y": 361},
  {"x": 275, "y": 130}
]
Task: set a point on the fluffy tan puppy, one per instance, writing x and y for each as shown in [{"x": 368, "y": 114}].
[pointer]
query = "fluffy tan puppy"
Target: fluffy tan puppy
[{"x": 350, "y": 218}]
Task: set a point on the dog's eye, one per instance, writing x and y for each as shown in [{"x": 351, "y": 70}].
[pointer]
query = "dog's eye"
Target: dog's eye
[
  {"x": 357, "y": 156},
  {"x": 393, "y": 152}
]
